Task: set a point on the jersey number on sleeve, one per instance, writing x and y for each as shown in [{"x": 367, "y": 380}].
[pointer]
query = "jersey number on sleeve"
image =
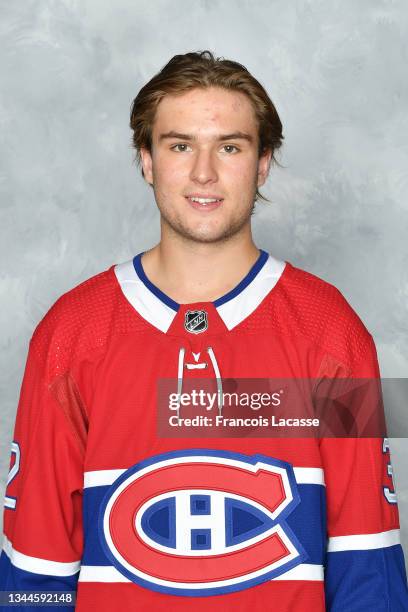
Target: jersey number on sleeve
[
  {"x": 10, "y": 502},
  {"x": 390, "y": 494}
]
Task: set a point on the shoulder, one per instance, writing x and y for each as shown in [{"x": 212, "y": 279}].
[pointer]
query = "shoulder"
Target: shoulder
[
  {"x": 81, "y": 322},
  {"x": 75, "y": 307},
  {"x": 321, "y": 302},
  {"x": 308, "y": 305}
]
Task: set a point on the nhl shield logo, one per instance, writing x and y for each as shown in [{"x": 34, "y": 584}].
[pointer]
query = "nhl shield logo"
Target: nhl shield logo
[{"x": 196, "y": 321}]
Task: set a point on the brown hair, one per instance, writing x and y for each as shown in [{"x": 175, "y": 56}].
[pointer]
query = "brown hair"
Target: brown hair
[{"x": 203, "y": 69}]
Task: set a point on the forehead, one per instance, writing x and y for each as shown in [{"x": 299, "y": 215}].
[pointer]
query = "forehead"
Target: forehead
[{"x": 212, "y": 109}]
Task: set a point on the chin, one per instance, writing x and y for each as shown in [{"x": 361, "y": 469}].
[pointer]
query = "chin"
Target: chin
[
  {"x": 209, "y": 236},
  {"x": 204, "y": 237},
  {"x": 205, "y": 233}
]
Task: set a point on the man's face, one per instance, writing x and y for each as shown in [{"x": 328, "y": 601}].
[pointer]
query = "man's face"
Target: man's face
[{"x": 205, "y": 145}]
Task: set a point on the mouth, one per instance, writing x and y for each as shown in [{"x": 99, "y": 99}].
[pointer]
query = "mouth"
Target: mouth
[{"x": 204, "y": 202}]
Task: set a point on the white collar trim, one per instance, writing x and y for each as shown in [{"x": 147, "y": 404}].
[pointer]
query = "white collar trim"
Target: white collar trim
[
  {"x": 148, "y": 305},
  {"x": 233, "y": 312},
  {"x": 240, "y": 307}
]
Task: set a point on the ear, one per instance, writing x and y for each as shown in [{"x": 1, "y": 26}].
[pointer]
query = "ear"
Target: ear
[
  {"x": 264, "y": 163},
  {"x": 147, "y": 165}
]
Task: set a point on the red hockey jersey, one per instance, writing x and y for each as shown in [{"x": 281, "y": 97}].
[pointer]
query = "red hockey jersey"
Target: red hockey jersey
[{"x": 98, "y": 502}]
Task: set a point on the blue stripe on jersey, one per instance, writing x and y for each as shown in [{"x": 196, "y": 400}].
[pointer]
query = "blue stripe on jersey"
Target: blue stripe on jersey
[
  {"x": 308, "y": 521},
  {"x": 361, "y": 580},
  {"x": 93, "y": 553},
  {"x": 14, "y": 579},
  {"x": 309, "y": 532},
  {"x": 137, "y": 263},
  {"x": 258, "y": 265}
]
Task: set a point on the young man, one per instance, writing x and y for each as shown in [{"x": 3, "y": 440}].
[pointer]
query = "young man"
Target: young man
[{"x": 97, "y": 500}]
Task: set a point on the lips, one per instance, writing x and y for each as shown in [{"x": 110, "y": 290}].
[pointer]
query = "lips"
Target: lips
[{"x": 205, "y": 202}]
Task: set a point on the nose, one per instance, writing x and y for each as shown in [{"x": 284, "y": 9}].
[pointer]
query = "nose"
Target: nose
[{"x": 203, "y": 170}]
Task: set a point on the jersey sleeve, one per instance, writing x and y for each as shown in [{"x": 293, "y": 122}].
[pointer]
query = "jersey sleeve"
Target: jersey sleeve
[
  {"x": 42, "y": 543},
  {"x": 364, "y": 561}
]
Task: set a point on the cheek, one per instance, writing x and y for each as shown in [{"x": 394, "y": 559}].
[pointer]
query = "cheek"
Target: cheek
[
  {"x": 169, "y": 174},
  {"x": 242, "y": 175}
]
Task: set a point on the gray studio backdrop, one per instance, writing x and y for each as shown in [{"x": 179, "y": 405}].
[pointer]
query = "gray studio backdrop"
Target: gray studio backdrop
[{"x": 72, "y": 202}]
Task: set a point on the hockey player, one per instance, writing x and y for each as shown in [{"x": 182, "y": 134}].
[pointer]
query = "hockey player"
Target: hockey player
[{"x": 98, "y": 503}]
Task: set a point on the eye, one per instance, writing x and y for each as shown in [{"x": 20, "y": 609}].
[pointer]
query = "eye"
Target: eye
[
  {"x": 230, "y": 149},
  {"x": 181, "y": 147}
]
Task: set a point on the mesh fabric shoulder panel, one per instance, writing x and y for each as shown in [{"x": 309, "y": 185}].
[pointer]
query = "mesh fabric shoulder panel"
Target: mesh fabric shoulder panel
[{"x": 302, "y": 304}]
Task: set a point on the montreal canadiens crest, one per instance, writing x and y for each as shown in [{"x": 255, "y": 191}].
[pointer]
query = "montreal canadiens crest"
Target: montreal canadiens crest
[
  {"x": 201, "y": 522},
  {"x": 196, "y": 321}
]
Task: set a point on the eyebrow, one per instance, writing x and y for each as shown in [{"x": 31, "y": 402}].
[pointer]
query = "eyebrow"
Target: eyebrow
[{"x": 220, "y": 138}]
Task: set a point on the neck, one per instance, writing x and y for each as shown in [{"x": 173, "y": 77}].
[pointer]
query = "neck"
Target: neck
[{"x": 191, "y": 272}]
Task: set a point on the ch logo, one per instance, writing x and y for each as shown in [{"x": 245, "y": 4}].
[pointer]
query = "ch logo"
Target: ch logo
[
  {"x": 196, "y": 321},
  {"x": 201, "y": 522}
]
